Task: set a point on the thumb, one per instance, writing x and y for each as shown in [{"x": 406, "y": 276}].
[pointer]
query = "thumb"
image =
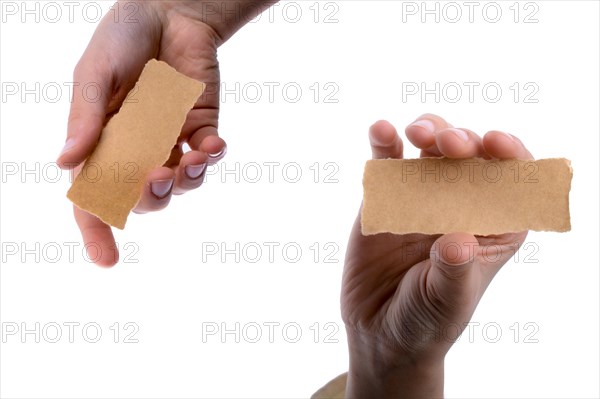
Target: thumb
[
  {"x": 91, "y": 91},
  {"x": 452, "y": 279}
]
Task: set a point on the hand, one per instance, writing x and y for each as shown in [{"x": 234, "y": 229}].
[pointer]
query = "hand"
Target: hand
[
  {"x": 404, "y": 310},
  {"x": 185, "y": 34}
]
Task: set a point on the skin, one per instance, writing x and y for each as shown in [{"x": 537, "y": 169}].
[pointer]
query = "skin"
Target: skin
[
  {"x": 186, "y": 36},
  {"x": 385, "y": 293},
  {"x": 393, "y": 299}
]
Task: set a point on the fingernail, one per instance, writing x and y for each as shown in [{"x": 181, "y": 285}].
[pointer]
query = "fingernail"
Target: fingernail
[
  {"x": 161, "y": 188},
  {"x": 461, "y": 134},
  {"x": 218, "y": 154},
  {"x": 69, "y": 144},
  {"x": 194, "y": 171},
  {"x": 425, "y": 124}
]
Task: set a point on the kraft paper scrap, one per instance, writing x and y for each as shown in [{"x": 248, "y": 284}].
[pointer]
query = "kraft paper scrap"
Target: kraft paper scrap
[
  {"x": 136, "y": 140},
  {"x": 441, "y": 195}
]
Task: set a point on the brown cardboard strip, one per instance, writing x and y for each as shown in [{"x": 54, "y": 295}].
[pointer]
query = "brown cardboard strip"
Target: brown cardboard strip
[
  {"x": 477, "y": 196},
  {"x": 136, "y": 140}
]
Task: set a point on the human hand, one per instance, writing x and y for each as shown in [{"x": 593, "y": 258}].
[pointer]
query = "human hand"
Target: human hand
[
  {"x": 185, "y": 34},
  {"x": 399, "y": 305}
]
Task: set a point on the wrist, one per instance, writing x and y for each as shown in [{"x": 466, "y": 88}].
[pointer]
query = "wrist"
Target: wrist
[
  {"x": 417, "y": 381},
  {"x": 377, "y": 370},
  {"x": 224, "y": 17},
  {"x": 230, "y": 15}
]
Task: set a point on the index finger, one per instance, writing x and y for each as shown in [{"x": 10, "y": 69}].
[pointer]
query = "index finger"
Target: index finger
[{"x": 87, "y": 113}]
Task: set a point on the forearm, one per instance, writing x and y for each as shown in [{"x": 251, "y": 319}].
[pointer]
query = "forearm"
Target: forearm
[{"x": 375, "y": 373}]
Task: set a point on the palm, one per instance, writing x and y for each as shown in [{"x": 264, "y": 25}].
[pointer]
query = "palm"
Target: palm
[
  {"x": 190, "y": 47},
  {"x": 385, "y": 291},
  {"x": 377, "y": 284},
  {"x": 187, "y": 45}
]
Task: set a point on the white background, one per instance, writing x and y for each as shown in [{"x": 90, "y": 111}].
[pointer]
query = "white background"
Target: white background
[{"x": 166, "y": 289}]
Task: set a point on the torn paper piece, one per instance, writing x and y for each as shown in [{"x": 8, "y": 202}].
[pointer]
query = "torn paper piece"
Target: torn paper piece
[
  {"x": 136, "y": 140},
  {"x": 477, "y": 196}
]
